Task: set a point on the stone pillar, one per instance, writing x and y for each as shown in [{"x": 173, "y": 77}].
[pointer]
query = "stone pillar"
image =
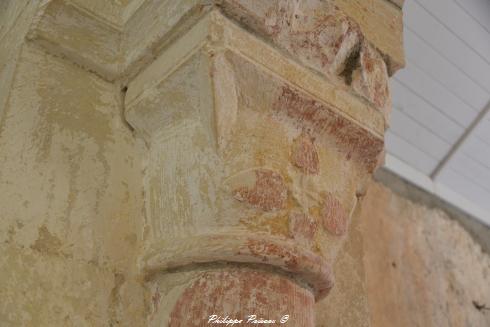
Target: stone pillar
[
  {"x": 258, "y": 151},
  {"x": 262, "y": 121}
]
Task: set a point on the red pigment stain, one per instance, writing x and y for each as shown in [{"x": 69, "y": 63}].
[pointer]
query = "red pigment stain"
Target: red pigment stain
[
  {"x": 317, "y": 37},
  {"x": 304, "y": 154},
  {"x": 237, "y": 293},
  {"x": 376, "y": 80},
  {"x": 319, "y": 119},
  {"x": 334, "y": 216},
  {"x": 302, "y": 227},
  {"x": 267, "y": 251},
  {"x": 269, "y": 192}
]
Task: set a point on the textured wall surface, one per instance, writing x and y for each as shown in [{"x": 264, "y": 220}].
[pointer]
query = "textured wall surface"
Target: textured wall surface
[
  {"x": 70, "y": 196},
  {"x": 347, "y": 303},
  {"x": 422, "y": 269},
  {"x": 69, "y": 191}
]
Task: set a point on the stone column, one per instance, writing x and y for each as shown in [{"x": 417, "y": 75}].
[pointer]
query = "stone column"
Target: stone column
[
  {"x": 258, "y": 151},
  {"x": 262, "y": 121}
]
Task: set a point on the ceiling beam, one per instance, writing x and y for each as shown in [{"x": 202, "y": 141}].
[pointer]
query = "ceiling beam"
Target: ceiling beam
[
  {"x": 437, "y": 189},
  {"x": 457, "y": 146}
]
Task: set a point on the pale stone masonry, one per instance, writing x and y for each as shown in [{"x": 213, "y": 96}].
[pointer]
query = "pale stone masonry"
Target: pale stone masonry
[{"x": 164, "y": 161}]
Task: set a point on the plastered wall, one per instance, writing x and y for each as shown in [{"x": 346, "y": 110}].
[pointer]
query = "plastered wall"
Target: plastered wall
[
  {"x": 70, "y": 195},
  {"x": 422, "y": 268}
]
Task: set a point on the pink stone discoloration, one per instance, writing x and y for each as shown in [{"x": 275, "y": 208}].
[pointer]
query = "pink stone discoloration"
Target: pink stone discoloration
[
  {"x": 269, "y": 192},
  {"x": 334, "y": 216},
  {"x": 270, "y": 251},
  {"x": 308, "y": 114},
  {"x": 260, "y": 248},
  {"x": 238, "y": 293},
  {"x": 315, "y": 32},
  {"x": 324, "y": 38},
  {"x": 311, "y": 267},
  {"x": 304, "y": 154},
  {"x": 371, "y": 79},
  {"x": 302, "y": 227}
]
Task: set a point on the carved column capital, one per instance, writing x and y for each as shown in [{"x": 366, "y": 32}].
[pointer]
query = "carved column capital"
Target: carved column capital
[
  {"x": 258, "y": 151},
  {"x": 263, "y": 121}
]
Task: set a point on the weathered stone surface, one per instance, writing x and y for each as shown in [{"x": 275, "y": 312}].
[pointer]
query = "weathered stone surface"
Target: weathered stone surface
[
  {"x": 321, "y": 119},
  {"x": 334, "y": 217},
  {"x": 260, "y": 136},
  {"x": 266, "y": 295},
  {"x": 381, "y": 23},
  {"x": 155, "y": 24},
  {"x": 215, "y": 26},
  {"x": 66, "y": 30},
  {"x": 250, "y": 159},
  {"x": 273, "y": 296},
  {"x": 302, "y": 227},
  {"x": 347, "y": 303},
  {"x": 50, "y": 290},
  {"x": 370, "y": 79},
  {"x": 314, "y": 32},
  {"x": 267, "y": 190},
  {"x": 114, "y": 12},
  {"x": 216, "y": 185},
  {"x": 315, "y": 23},
  {"x": 70, "y": 199},
  {"x": 10, "y": 12},
  {"x": 427, "y": 262},
  {"x": 257, "y": 249},
  {"x": 226, "y": 99},
  {"x": 304, "y": 154},
  {"x": 15, "y": 20}
]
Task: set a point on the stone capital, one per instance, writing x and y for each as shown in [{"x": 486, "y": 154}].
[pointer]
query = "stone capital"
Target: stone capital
[
  {"x": 255, "y": 157},
  {"x": 262, "y": 120}
]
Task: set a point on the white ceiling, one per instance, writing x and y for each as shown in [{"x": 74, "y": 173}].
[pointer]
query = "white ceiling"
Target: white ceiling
[{"x": 440, "y": 127}]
